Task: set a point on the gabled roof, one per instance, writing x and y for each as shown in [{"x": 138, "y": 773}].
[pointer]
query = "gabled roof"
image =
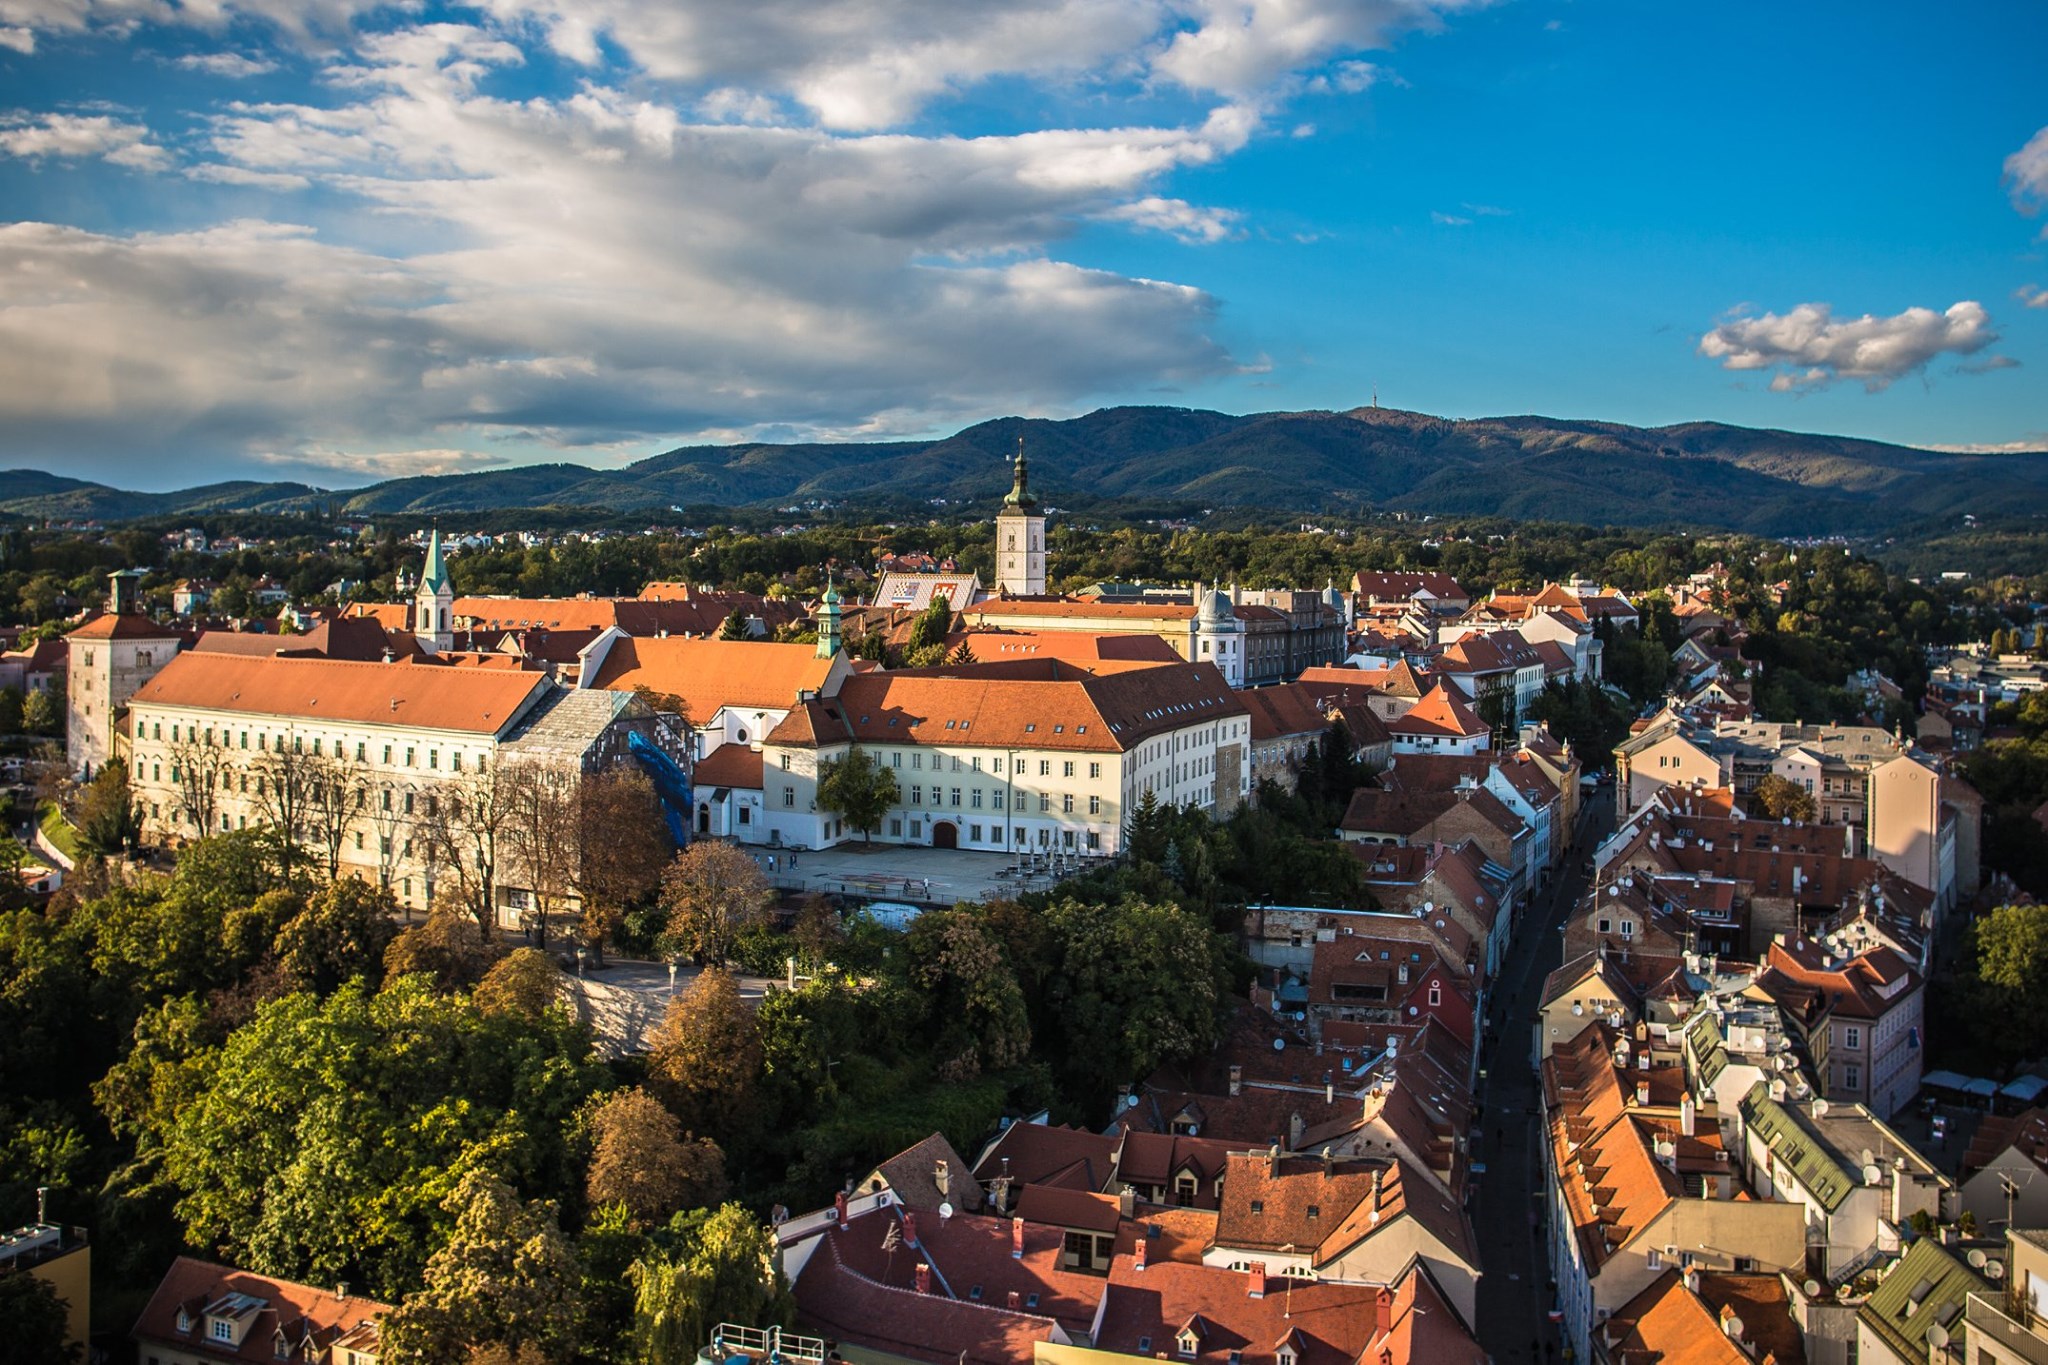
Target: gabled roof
[
  {"x": 472, "y": 700},
  {"x": 914, "y": 1175},
  {"x": 270, "y": 1305},
  {"x": 1288, "y": 709},
  {"x": 1929, "y": 1286},
  {"x": 729, "y": 765},
  {"x": 712, "y": 675},
  {"x": 1668, "y": 1324},
  {"x": 1439, "y": 713}
]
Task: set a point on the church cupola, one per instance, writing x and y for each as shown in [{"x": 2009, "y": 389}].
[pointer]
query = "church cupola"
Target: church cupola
[
  {"x": 828, "y": 621},
  {"x": 1020, "y": 537}
]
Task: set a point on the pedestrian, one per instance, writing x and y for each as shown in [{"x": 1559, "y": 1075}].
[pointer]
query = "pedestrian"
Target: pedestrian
[
  {"x": 792, "y": 862},
  {"x": 771, "y": 864}
]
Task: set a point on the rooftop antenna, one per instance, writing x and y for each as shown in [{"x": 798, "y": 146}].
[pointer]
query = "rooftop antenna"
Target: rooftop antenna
[{"x": 1375, "y": 393}]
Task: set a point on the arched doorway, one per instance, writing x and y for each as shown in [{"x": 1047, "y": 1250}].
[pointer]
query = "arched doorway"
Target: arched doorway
[
  {"x": 945, "y": 834},
  {"x": 703, "y": 819}
]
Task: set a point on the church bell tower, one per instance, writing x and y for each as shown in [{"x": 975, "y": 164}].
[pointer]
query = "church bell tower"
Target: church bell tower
[{"x": 1020, "y": 538}]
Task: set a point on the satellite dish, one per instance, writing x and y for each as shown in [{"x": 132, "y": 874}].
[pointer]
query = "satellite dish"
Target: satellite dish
[
  {"x": 1734, "y": 1329},
  {"x": 1279, "y": 1045},
  {"x": 1937, "y": 1337},
  {"x": 1977, "y": 1258},
  {"x": 1994, "y": 1270},
  {"x": 1811, "y": 1288},
  {"x": 945, "y": 1211}
]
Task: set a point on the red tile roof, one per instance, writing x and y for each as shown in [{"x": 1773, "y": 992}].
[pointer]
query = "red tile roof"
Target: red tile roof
[
  {"x": 126, "y": 626},
  {"x": 1439, "y": 713},
  {"x": 478, "y": 701},
  {"x": 729, "y": 765},
  {"x": 1067, "y": 708},
  {"x": 710, "y": 675},
  {"x": 295, "y": 1309},
  {"x": 993, "y": 645},
  {"x": 1288, "y": 709}
]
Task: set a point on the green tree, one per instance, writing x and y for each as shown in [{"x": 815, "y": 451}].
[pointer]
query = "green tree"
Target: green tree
[
  {"x": 931, "y": 628},
  {"x": 706, "y": 1057},
  {"x": 977, "y": 1009},
  {"x": 107, "y": 820},
  {"x": 858, "y": 789},
  {"x": 713, "y": 894},
  {"x": 724, "y": 1271},
  {"x": 1779, "y": 798},
  {"x": 343, "y": 932},
  {"x": 641, "y": 1158},
  {"x": 10, "y": 710},
  {"x": 735, "y": 626},
  {"x": 1137, "y": 983},
  {"x": 38, "y": 1326},
  {"x": 42, "y": 713},
  {"x": 327, "y": 1134},
  {"x": 506, "y": 1277}
]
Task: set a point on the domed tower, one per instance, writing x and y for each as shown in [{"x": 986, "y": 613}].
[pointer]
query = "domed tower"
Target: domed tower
[
  {"x": 1219, "y": 635},
  {"x": 828, "y": 621},
  {"x": 1020, "y": 538}
]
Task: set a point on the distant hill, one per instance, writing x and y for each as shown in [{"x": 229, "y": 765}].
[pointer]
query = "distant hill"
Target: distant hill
[{"x": 1697, "y": 473}]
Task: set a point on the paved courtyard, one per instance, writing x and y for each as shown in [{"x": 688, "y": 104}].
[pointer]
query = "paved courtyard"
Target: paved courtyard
[{"x": 894, "y": 872}]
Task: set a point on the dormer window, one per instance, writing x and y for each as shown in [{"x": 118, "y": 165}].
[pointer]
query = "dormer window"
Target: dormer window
[
  {"x": 1286, "y": 1356},
  {"x": 184, "y": 1321},
  {"x": 1189, "y": 1344},
  {"x": 280, "y": 1349},
  {"x": 223, "y": 1330}
]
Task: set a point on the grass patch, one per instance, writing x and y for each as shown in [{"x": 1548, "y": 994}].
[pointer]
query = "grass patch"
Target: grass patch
[{"x": 59, "y": 831}]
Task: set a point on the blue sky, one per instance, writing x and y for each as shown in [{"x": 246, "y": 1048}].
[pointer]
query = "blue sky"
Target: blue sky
[{"x": 338, "y": 240}]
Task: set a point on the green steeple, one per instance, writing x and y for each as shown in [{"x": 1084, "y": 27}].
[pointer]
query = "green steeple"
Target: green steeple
[
  {"x": 828, "y": 620},
  {"x": 434, "y": 576},
  {"x": 1019, "y": 495}
]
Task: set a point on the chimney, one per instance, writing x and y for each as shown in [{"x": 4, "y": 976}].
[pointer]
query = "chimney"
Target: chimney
[
  {"x": 1383, "y": 1311},
  {"x": 1329, "y": 1162},
  {"x": 1692, "y": 1279},
  {"x": 1294, "y": 1127},
  {"x": 1236, "y": 1079},
  {"x": 909, "y": 1228},
  {"x": 1329, "y": 1089},
  {"x": 839, "y": 1207},
  {"x": 1016, "y": 1239},
  {"x": 1257, "y": 1288},
  {"x": 942, "y": 1176},
  {"x": 1017, "y": 1300},
  {"x": 1687, "y": 1113},
  {"x": 1138, "y": 1254},
  {"x": 1642, "y": 1097},
  {"x": 1127, "y": 1202},
  {"x": 924, "y": 1278},
  {"x": 1272, "y": 1160},
  {"x": 341, "y": 1290}
]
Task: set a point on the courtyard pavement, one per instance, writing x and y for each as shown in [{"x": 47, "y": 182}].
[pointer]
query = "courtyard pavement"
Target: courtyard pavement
[{"x": 898, "y": 872}]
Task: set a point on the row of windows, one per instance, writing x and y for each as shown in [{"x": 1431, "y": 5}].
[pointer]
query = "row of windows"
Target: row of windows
[
  {"x": 994, "y": 798},
  {"x": 224, "y": 738},
  {"x": 1020, "y": 835}
]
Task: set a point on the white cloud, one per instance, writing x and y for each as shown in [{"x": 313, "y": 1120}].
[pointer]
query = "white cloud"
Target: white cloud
[
  {"x": 2026, "y": 173},
  {"x": 232, "y": 65},
  {"x": 220, "y": 174},
  {"x": 600, "y": 269},
  {"x": 1243, "y": 48},
  {"x": 1810, "y": 349},
  {"x": 370, "y": 466},
  {"x": 2032, "y": 296},
  {"x": 74, "y": 137},
  {"x": 1448, "y": 219},
  {"x": 22, "y": 40},
  {"x": 2026, "y": 446},
  {"x": 1184, "y": 220}
]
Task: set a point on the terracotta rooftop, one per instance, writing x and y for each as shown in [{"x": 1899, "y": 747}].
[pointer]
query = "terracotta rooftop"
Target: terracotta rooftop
[
  {"x": 477, "y": 701},
  {"x": 1439, "y": 713},
  {"x": 311, "y": 1320},
  {"x": 729, "y": 765},
  {"x": 1065, "y": 708},
  {"x": 711, "y": 675},
  {"x": 126, "y": 626},
  {"x": 993, "y": 645}
]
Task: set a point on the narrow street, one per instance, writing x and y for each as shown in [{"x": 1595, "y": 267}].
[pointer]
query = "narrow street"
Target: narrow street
[{"x": 1508, "y": 1213}]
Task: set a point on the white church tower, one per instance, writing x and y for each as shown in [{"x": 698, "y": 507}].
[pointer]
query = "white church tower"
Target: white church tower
[
  {"x": 433, "y": 609},
  {"x": 1020, "y": 539}
]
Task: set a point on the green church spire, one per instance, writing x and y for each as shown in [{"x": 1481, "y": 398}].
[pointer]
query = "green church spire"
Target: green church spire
[{"x": 1020, "y": 485}]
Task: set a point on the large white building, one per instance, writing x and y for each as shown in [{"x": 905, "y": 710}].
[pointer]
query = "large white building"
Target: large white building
[
  {"x": 1036, "y": 755},
  {"x": 207, "y": 734}
]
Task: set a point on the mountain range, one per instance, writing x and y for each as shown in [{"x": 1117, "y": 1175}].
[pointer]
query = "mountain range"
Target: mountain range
[{"x": 1695, "y": 473}]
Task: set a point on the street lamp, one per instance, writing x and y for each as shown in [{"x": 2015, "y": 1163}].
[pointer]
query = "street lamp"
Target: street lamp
[{"x": 671, "y": 978}]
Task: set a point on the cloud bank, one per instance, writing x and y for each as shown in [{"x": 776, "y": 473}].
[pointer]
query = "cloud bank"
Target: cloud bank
[
  {"x": 732, "y": 218},
  {"x": 1810, "y": 349}
]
